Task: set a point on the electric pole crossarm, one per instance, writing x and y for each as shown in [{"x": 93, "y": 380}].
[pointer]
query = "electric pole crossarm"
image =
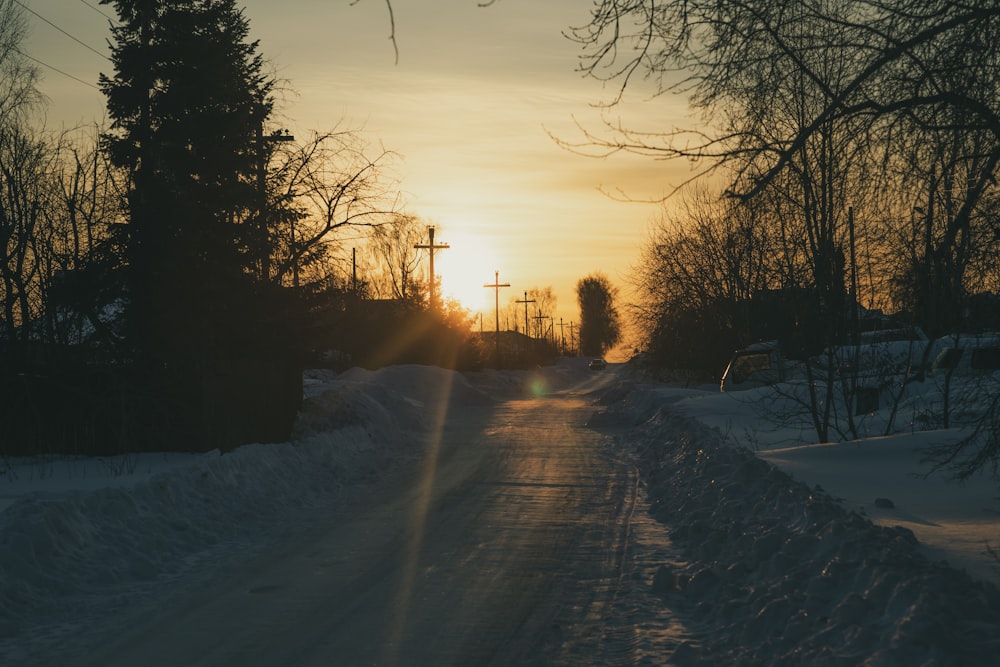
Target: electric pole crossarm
[
  {"x": 262, "y": 213},
  {"x": 496, "y": 286},
  {"x": 431, "y": 247},
  {"x": 526, "y": 301}
]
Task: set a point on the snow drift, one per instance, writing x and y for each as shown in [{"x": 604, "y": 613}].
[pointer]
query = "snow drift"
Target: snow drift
[{"x": 778, "y": 573}]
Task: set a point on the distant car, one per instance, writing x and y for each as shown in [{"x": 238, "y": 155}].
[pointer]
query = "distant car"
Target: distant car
[{"x": 598, "y": 364}]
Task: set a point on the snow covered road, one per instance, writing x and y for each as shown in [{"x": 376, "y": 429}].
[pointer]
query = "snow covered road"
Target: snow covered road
[{"x": 507, "y": 543}]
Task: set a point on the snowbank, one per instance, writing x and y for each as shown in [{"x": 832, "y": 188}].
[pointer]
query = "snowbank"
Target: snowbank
[
  {"x": 77, "y": 536},
  {"x": 82, "y": 537},
  {"x": 780, "y": 573}
]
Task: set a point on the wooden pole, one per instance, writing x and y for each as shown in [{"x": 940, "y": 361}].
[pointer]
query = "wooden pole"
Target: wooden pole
[{"x": 496, "y": 287}]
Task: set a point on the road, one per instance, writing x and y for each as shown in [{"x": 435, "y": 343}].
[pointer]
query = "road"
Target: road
[{"x": 509, "y": 544}]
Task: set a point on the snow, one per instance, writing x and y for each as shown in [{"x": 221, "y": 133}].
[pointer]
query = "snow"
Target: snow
[
  {"x": 956, "y": 522},
  {"x": 788, "y": 551},
  {"x": 790, "y": 556}
]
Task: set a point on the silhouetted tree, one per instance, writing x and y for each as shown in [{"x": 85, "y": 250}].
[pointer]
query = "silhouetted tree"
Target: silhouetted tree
[
  {"x": 187, "y": 103},
  {"x": 84, "y": 242},
  {"x": 600, "y": 326},
  {"x": 23, "y": 155},
  {"x": 545, "y": 304},
  {"x": 946, "y": 172},
  {"x": 392, "y": 246},
  {"x": 813, "y": 92},
  {"x": 18, "y": 76},
  {"x": 705, "y": 260},
  {"x": 23, "y": 164},
  {"x": 315, "y": 187},
  {"x": 865, "y": 59}
]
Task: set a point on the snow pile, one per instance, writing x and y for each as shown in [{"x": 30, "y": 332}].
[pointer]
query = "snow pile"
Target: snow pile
[
  {"x": 71, "y": 547},
  {"x": 778, "y": 573}
]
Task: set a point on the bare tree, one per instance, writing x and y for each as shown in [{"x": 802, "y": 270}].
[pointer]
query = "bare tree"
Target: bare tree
[
  {"x": 899, "y": 58},
  {"x": 21, "y": 161},
  {"x": 946, "y": 171},
  {"x": 18, "y": 75},
  {"x": 23, "y": 197},
  {"x": 392, "y": 247},
  {"x": 544, "y": 304},
  {"x": 328, "y": 183},
  {"x": 704, "y": 262},
  {"x": 83, "y": 237}
]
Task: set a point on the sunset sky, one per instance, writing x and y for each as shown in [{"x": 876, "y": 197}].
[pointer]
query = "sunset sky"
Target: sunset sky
[{"x": 469, "y": 107}]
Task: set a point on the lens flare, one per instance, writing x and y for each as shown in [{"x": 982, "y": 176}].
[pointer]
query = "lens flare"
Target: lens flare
[
  {"x": 437, "y": 404},
  {"x": 538, "y": 387}
]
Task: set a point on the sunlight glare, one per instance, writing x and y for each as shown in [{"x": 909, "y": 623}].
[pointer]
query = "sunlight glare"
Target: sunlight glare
[
  {"x": 439, "y": 397},
  {"x": 465, "y": 267}
]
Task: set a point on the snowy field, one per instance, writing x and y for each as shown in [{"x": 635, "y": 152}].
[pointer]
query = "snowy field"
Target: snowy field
[{"x": 790, "y": 552}]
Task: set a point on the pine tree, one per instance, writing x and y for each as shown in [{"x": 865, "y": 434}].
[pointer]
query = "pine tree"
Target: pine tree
[{"x": 188, "y": 102}]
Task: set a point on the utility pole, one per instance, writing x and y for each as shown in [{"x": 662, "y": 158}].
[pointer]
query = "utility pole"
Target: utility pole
[
  {"x": 538, "y": 322},
  {"x": 496, "y": 286},
  {"x": 562, "y": 337},
  {"x": 265, "y": 249},
  {"x": 430, "y": 247},
  {"x": 354, "y": 271},
  {"x": 855, "y": 304},
  {"x": 526, "y": 301}
]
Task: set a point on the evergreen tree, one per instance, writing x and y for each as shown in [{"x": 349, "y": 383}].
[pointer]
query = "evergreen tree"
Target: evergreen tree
[
  {"x": 600, "y": 324},
  {"x": 187, "y": 103}
]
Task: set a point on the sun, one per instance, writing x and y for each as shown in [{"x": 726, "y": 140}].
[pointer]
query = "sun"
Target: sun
[{"x": 464, "y": 267}]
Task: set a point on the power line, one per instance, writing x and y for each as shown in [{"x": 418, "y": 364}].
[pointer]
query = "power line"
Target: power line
[
  {"x": 81, "y": 43},
  {"x": 56, "y": 69},
  {"x": 98, "y": 10}
]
